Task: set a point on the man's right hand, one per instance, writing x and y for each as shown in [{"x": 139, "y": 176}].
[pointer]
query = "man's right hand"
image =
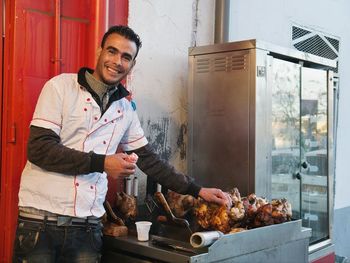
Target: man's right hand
[{"x": 115, "y": 165}]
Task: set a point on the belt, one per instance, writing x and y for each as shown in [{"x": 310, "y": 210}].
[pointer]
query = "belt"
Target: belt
[{"x": 61, "y": 220}]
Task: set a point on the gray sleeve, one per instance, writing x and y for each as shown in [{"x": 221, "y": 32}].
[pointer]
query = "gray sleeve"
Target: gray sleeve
[
  {"x": 163, "y": 173},
  {"x": 45, "y": 150}
]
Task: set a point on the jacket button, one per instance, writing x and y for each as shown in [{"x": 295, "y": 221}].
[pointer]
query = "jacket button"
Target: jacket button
[
  {"x": 104, "y": 142},
  {"x": 118, "y": 111},
  {"x": 105, "y": 120},
  {"x": 85, "y": 109},
  {"x": 76, "y": 184},
  {"x": 91, "y": 187},
  {"x": 96, "y": 118},
  {"x": 88, "y": 99}
]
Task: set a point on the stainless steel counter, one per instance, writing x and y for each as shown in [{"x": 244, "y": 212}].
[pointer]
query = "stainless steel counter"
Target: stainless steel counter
[{"x": 282, "y": 243}]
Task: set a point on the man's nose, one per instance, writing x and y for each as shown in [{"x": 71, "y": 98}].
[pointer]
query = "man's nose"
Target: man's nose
[{"x": 117, "y": 59}]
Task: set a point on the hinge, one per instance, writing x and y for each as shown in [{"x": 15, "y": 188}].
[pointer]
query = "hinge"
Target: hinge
[{"x": 12, "y": 134}]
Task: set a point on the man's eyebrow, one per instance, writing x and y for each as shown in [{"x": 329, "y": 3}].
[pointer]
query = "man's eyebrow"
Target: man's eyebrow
[{"x": 115, "y": 49}]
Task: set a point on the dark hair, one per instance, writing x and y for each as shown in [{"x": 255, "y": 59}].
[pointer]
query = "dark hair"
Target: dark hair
[{"x": 126, "y": 32}]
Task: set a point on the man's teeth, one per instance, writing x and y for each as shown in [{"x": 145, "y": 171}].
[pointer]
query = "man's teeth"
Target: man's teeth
[{"x": 113, "y": 70}]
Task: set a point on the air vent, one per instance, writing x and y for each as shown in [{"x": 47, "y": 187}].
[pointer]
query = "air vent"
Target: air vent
[
  {"x": 334, "y": 42},
  {"x": 221, "y": 63},
  {"x": 316, "y": 46},
  {"x": 238, "y": 62},
  {"x": 316, "y": 43},
  {"x": 299, "y": 32},
  {"x": 203, "y": 65}
]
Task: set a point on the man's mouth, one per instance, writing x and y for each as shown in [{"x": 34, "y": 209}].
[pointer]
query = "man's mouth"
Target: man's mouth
[{"x": 114, "y": 71}]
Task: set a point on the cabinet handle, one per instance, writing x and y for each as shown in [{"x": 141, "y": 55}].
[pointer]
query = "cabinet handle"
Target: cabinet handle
[
  {"x": 304, "y": 165},
  {"x": 297, "y": 175}
]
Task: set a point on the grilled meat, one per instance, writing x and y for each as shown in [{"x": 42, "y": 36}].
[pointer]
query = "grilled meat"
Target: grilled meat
[
  {"x": 125, "y": 206},
  {"x": 179, "y": 204},
  {"x": 241, "y": 213}
]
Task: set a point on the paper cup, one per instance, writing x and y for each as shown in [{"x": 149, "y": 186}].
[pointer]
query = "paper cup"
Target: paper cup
[{"x": 143, "y": 228}]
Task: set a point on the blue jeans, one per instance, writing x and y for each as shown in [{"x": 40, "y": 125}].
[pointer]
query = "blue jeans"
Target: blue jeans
[{"x": 46, "y": 242}]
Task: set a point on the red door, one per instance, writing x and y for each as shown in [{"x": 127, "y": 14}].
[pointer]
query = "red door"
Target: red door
[
  {"x": 2, "y": 14},
  {"x": 42, "y": 39}
]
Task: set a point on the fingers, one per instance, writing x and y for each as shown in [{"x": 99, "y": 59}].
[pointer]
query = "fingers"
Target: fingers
[
  {"x": 220, "y": 194},
  {"x": 214, "y": 195},
  {"x": 116, "y": 165},
  {"x": 219, "y": 200},
  {"x": 128, "y": 168}
]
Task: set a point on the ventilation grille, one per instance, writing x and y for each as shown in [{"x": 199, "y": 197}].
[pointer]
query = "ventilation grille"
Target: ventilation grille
[
  {"x": 299, "y": 32},
  {"x": 316, "y": 46},
  {"x": 203, "y": 65},
  {"x": 316, "y": 43},
  {"x": 221, "y": 63}
]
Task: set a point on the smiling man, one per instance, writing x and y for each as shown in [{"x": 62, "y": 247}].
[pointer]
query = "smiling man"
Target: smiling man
[{"x": 78, "y": 124}]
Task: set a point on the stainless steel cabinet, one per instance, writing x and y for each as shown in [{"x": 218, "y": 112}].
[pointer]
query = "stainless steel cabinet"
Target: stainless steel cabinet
[{"x": 260, "y": 119}]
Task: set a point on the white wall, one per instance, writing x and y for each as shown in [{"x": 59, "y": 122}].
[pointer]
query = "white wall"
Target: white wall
[
  {"x": 159, "y": 80},
  {"x": 272, "y": 21}
]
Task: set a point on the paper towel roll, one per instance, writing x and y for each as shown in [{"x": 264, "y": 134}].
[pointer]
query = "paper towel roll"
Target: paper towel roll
[{"x": 202, "y": 239}]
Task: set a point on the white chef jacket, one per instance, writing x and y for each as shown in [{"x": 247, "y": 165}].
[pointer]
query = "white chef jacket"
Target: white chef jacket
[{"x": 70, "y": 111}]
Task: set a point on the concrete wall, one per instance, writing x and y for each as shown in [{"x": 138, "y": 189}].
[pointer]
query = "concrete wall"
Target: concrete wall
[{"x": 159, "y": 80}]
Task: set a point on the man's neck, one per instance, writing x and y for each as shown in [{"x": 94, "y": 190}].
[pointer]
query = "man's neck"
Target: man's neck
[{"x": 98, "y": 86}]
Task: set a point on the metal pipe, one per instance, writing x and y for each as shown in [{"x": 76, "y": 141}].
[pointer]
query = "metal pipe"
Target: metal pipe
[
  {"x": 136, "y": 186},
  {"x": 107, "y": 15},
  {"x": 128, "y": 185},
  {"x": 222, "y": 20},
  {"x": 57, "y": 53}
]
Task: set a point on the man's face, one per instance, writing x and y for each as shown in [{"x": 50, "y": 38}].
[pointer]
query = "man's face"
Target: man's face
[{"x": 115, "y": 59}]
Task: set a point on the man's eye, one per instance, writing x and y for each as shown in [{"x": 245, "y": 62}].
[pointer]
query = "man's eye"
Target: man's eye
[
  {"x": 127, "y": 58},
  {"x": 111, "y": 51}
]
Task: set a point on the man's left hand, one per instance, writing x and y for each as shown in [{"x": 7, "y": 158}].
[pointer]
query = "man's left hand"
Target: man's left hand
[{"x": 214, "y": 195}]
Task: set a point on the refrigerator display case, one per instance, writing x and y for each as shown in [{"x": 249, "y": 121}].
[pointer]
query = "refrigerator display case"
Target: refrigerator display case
[{"x": 261, "y": 120}]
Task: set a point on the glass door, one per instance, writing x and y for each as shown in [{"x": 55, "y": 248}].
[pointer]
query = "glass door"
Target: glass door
[
  {"x": 285, "y": 97},
  {"x": 300, "y": 143},
  {"x": 314, "y": 154}
]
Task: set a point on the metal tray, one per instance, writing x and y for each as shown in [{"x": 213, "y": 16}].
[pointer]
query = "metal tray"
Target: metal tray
[{"x": 281, "y": 243}]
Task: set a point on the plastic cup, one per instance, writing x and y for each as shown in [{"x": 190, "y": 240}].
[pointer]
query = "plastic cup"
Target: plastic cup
[{"x": 143, "y": 228}]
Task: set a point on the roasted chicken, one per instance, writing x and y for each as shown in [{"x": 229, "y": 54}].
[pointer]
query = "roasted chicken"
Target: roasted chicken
[
  {"x": 240, "y": 214},
  {"x": 125, "y": 206},
  {"x": 179, "y": 204}
]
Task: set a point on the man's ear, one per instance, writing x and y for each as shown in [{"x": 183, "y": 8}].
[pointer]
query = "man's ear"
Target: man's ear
[
  {"x": 98, "y": 52},
  {"x": 133, "y": 63},
  {"x": 132, "y": 66}
]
